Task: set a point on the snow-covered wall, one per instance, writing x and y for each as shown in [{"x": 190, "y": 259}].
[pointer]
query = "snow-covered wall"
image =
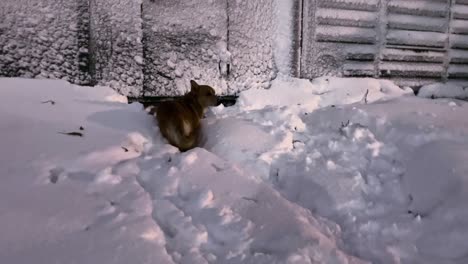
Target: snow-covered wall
[
  {"x": 184, "y": 40},
  {"x": 231, "y": 45},
  {"x": 150, "y": 47},
  {"x": 44, "y": 39},
  {"x": 284, "y": 42},
  {"x": 154, "y": 47},
  {"x": 251, "y": 43},
  {"x": 116, "y": 45}
]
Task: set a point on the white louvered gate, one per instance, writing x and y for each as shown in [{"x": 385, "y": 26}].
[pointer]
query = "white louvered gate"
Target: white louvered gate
[
  {"x": 410, "y": 41},
  {"x": 458, "y": 67}
]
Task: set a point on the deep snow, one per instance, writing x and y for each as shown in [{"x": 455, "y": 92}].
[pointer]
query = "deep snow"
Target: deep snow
[{"x": 329, "y": 171}]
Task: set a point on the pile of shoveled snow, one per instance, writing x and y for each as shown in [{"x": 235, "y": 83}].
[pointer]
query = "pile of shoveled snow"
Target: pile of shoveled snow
[
  {"x": 66, "y": 198},
  {"x": 444, "y": 90},
  {"x": 329, "y": 171}
]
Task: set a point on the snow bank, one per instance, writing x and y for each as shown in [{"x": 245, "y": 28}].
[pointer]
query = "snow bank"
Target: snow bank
[
  {"x": 321, "y": 92},
  {"x": 314, "y": 174},
  {"x": 444, "y": 90},
  {"x": 389, "y": 172},
  {"x": 71, "y": 199},
  {"x": 214, "y": 212}
]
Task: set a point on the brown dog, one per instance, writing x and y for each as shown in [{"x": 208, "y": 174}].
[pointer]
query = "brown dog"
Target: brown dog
[{"x": 179, "y": 121}]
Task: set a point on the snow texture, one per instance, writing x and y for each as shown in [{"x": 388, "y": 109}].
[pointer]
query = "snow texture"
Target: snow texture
[
  {"x": 330, "y": 171},
  {"x": 444, "y": 90},
  {"x": 184, "y": 40},
  {"x": 252, "y": 33},
  {"x": 391, "y": 172},
  {"x": 116, "y": 45},
  {"x": 231, "y": 45},
  {"x": 70, "y": 199},
  {"x": 44, "y": 39},
  {"x": 284, "y": 43}
]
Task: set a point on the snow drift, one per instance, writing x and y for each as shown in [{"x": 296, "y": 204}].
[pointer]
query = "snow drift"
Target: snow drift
[{"x": 333, "y": 171}]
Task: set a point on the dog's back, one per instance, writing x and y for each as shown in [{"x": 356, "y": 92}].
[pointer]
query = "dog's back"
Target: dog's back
[{"x": 179, "y": 123}]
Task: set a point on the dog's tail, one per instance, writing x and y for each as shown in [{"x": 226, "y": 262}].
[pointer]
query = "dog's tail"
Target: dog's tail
[{"x": 184, "y": 137}]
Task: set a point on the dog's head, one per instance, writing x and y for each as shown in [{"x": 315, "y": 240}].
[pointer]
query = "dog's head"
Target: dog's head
[{"x": 205, "y": 94}]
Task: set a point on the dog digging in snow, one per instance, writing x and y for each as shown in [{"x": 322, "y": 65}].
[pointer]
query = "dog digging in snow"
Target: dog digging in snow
[{"x": 180, "y": 120}]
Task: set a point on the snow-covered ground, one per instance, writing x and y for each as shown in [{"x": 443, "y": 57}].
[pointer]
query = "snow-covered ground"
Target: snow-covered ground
[{"x": 329, "y": 171}]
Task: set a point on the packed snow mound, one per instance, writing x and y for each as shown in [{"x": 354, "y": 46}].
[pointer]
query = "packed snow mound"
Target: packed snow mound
[
  {"x": 444, "y": 90},
  {"x": 318, "y": 176},
  {"x": 448, "y": 176},
  {"x": 361, "y": 163},
  {"x": 321, "y": 92},
  {"x": 214, "y": 212},
  {"x": 73, "y": 198}
]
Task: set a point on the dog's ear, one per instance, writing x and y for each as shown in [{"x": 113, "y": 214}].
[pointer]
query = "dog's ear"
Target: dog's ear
[{"x": 194, "y": 87}]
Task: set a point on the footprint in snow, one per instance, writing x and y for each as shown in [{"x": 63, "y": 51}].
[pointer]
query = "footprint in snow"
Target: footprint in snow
[
  {"x": 54, "y": 174},
  {"x": 217, "y": 168}
]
